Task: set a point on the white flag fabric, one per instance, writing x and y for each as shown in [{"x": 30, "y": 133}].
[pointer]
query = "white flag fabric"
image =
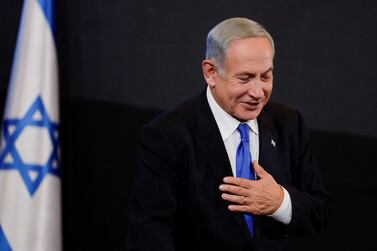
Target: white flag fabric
[{"x": 30, "y": 184}]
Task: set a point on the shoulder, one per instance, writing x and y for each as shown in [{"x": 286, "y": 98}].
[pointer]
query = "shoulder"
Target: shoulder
[
  {"x": 280, "y": 112},
  {"x": 182, "y": 114},
  {"x": 182, "y": 120},
  {"x": 282, "y": 118},
  {"x": 171, "y": 131},
  {"x": 186, "y": 114}
]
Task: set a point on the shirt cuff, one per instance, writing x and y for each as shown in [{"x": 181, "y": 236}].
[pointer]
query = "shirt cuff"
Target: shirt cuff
[{"x": 284, "y": 212}]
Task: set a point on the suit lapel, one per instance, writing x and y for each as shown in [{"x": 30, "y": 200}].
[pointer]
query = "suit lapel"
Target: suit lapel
[
  {"x": 212, "y": 146},
  {"x": 268, "y": 155},
  {"x": 210, "y": 141},
  {"x": 268, "y": 143}
]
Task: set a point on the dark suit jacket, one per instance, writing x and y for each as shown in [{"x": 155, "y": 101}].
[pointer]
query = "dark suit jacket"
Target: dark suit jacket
[{"x": 175, "y": 203}]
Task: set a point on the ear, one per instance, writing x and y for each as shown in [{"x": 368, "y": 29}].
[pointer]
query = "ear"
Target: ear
[{"x": 209, "y": 72}]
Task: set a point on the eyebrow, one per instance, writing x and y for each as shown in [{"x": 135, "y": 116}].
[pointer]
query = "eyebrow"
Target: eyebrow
[
  {"x": 269, "y": 69},
  {"x": 253, "y": 74}
]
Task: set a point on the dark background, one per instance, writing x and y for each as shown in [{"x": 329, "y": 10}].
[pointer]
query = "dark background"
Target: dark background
[{"x": 123, "y": 62}]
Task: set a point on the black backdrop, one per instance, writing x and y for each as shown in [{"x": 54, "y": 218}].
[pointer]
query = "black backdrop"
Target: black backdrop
[{"x": 123, "y": 62}]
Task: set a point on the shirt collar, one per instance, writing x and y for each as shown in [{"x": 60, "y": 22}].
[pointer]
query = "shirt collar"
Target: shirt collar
[{"x": 226, "y": 123}]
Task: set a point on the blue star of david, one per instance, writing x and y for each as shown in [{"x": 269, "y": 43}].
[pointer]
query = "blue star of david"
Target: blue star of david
[{"x": 12, "y": 129}]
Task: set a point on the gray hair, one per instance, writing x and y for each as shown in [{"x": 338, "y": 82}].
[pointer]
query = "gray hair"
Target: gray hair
[{"x": 222, "y": 34}]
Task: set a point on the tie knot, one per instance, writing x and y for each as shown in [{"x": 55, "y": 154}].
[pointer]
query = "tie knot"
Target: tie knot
[{"x": 244, "y": 131}]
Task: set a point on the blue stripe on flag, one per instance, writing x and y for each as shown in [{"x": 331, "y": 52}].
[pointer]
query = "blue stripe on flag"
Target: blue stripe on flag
[
  {"x": 48, "y": 8},
  {"x": 4, "y": 244}
]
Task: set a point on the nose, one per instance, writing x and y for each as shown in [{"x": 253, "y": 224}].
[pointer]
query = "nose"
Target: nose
[{"x": 255, "y": 90}]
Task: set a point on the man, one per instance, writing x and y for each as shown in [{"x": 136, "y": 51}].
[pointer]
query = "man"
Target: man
[{"x": 227, "y": 170}]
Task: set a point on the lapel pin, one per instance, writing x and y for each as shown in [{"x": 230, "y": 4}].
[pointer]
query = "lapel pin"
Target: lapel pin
[{"x": 273, "y": 143}]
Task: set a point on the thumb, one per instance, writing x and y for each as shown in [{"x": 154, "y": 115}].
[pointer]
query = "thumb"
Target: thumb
[{"x": 259, "y": 169}]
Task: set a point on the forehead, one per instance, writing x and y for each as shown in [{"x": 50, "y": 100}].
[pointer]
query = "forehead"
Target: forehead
[{"x": 252, "y": 54}]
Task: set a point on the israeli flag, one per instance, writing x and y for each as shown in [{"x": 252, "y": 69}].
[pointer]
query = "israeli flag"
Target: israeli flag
[{"x": 30, "y": 202}]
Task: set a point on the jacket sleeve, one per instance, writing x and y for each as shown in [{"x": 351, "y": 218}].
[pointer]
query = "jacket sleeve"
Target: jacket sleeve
[{"x": 153, "y": 199}]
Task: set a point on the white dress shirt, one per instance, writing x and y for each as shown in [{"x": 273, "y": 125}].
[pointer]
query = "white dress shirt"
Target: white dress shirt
[{"x": 228, "y": 129}]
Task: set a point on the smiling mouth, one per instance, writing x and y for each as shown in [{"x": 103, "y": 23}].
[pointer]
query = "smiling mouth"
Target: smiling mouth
[{"x": 252, "y": 105}]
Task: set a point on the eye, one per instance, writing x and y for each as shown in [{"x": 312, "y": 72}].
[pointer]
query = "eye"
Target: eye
[
  {"x": 266, "y": 77},
  {"x": 244, "y": 79}
]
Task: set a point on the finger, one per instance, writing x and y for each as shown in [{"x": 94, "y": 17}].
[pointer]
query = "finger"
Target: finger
[
  {"x": 236, "y": 190},
  {"x": 239, "y": 208},
  {"x": 259, "y": 169},
  {"x": 233, "y": 198},
  {"x": 238, "y": 182}
]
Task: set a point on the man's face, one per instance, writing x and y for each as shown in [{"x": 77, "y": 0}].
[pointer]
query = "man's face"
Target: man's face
[{"x": 245, "y": 84}]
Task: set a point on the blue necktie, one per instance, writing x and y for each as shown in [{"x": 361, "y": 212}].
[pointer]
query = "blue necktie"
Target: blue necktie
[{"x": 244, "y": 167}]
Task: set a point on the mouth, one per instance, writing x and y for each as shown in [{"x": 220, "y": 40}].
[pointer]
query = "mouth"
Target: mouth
[{"x": 250, "y": 105}]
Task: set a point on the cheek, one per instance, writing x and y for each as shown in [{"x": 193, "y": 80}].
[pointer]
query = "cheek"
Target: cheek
[
  {"x": 267, "y": 91},
  {"x": 238, "y": 91},
  {"x": 236, "y": 96},
  {"x": 231, "y": 93}
]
